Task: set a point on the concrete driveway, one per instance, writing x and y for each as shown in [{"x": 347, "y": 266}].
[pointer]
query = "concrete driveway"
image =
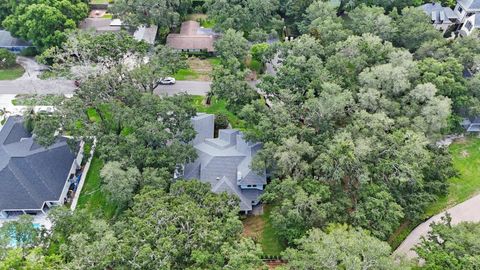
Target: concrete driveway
[
  {"x": 466, "y": 211},
  {"x": 32, "y": 68}
]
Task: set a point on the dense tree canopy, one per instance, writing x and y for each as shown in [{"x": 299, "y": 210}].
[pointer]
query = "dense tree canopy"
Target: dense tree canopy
[
  {"x": 245, "y": 15},
  {"x": 450, "y": 246},
  {"x": 45, "y": 22},
  {"x": 164, "y": 13},
  {"x": 341, "y": 247}
]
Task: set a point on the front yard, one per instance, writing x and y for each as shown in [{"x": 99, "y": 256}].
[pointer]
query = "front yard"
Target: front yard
[
  {"x": 466, "y": 160},
  {"x": 11, "y": 73},
  {"x": 198, "y": 69}
]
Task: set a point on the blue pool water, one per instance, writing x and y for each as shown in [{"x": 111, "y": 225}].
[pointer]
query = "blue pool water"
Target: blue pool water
[{"x": 13, "y": 242}]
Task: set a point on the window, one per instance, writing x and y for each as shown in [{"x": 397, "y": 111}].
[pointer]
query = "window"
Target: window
[
  {"x": 254, "y": 185},
  {"x": 249, "y": 185},
  {"x": 460, "y": 9},
  {"x": 253, "y": 202},
  {"x": 469, "y": 25}
]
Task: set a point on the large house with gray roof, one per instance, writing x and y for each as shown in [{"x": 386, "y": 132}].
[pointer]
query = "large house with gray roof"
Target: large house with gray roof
[
  {"x": 32, "y": 178},
  {"x": 225, "y": 162},
  {"x": 464, "y": 18}
]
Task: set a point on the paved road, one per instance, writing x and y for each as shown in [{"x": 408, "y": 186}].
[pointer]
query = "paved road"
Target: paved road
[
  {"x": 67, "y": 87},
  {"x": 466, "y": 211}
]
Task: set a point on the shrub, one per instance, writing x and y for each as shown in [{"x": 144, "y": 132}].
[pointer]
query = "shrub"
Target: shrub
[
  {"x": 7, "y": 59},
  {"x": 221, "y": 121}
]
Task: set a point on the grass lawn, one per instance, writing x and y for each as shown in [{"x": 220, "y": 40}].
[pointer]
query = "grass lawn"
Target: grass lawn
[
  {"x": 218, "y": 107},
  {"x": 260, "y": 229},
  {"x": 186, "y": 74},
  {"x": 91, "y": 196},
  {"x": 466, "y": 160},
  {"x": 11, "y": 73},
  {"x": 198, "y": 69},
  {"x": 37, "y": 100}
]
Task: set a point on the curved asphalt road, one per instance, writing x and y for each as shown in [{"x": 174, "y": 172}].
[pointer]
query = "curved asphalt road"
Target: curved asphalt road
[
  {"x": 466, "y": 211},
  {"x": 67, "y": 87}
]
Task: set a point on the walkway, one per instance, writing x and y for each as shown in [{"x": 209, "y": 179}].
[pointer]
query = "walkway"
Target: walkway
[{"x": 466, "y": 211}]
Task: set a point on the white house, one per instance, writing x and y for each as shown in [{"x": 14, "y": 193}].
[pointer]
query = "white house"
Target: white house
[{"x": 464, "y": 18}]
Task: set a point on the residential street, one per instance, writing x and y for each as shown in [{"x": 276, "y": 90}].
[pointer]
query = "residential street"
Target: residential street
[
  {"x": 67, "y": 87},
  {"x": 466, "y": 211}
]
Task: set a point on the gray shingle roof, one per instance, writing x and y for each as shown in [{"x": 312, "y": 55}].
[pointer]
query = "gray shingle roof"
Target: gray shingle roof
[
  {"x": 224, "y": 162},
  {"x": 6, "y": 40},
  {"x": 470, "y": 5},
  {"x": 29, "y": 173},
  {"x": 439, "y": 14}
]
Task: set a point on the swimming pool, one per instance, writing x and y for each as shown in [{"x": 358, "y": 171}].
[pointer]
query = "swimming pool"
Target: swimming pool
[{"x": 13, "y": 241}]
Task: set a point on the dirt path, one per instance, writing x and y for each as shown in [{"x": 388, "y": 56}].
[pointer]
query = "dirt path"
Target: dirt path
[{"x": 466, "y": 211}]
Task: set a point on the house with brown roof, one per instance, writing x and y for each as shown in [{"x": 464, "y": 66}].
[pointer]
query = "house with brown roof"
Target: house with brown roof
[{"x": 192, "y": 38}]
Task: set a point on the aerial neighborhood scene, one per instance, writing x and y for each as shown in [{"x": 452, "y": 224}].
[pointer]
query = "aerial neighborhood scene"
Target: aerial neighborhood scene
[{"x": 239, "y": 134}]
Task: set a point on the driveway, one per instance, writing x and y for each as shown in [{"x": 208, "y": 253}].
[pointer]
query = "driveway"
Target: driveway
[
  {"x": 32, "y": 68},
  {"x": 466, "y": 211},
  {"x": 33, "y": 86}
]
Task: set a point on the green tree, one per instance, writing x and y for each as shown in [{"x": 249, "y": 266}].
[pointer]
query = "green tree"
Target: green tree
[
  {"x": 7, "y": 59},
  {"x": 87, "y": 53},
  {"x": 373, "y": 20},
  {"x": 188, "y": 227},
  {"x": 45, "y": 22},
  {"x": 244, "y": 15},
  {"x": 118, "y": 182},
  {"x": 165, "y": 13},
  {"x": 450, "y": 246},
  {"x": 413, "y": 29},
  {"x": 340, "y": 247},
  {"x": 232, "y": 45}
]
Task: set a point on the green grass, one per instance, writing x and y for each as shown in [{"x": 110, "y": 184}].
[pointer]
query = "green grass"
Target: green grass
[
  {"x": 271, "y": 245},
  {"x": 215, "y": 61},
  {"x": 186, "y": 74},
  {"x": 260, "y": 229},
  {"x": 466, "y": 160},
  {"x": 218, "y": 107},
  {"x": 11, "y": 73},
  {"x": 206, "y": 23},
  {"x": 91, "y": 197},
  {"x": 107, "y": 16},
  {"x": 37, "y": 100}
]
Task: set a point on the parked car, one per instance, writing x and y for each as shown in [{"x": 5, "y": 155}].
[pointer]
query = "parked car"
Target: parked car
[{"x": 167, "y": 80}]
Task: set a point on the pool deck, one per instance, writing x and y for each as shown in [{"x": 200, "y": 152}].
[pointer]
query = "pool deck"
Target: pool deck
[{"x": 41, "y": 219}]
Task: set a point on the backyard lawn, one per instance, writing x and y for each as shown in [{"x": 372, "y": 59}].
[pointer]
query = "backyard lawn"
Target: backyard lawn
[
  {"x": 217, "y": 107},
  {"x": 260, "y": 229},
  {"x": 466, "y": 159},
  {"x": 91, "y": 197},
  {"x": 11, "y": 73}
]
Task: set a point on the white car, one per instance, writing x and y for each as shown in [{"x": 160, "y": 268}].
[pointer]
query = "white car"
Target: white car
[{"x": 167, "y": 80}]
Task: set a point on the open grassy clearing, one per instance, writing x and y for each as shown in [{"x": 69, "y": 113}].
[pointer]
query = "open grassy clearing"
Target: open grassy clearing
[
  {"x": 217, "y": 107},
  {"x": 466, "y": 160},
  {"x": 198, "y": 69},
  {"x": 11, "y": 73},
  {"x": 260, "y": 229}
]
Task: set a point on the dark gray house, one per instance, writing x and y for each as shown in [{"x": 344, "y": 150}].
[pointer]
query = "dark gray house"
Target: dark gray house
[
  {"x": 224, "y": 162},
  {"x": 32, "y": 178},
  {"x": 12, "y": 44}
]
